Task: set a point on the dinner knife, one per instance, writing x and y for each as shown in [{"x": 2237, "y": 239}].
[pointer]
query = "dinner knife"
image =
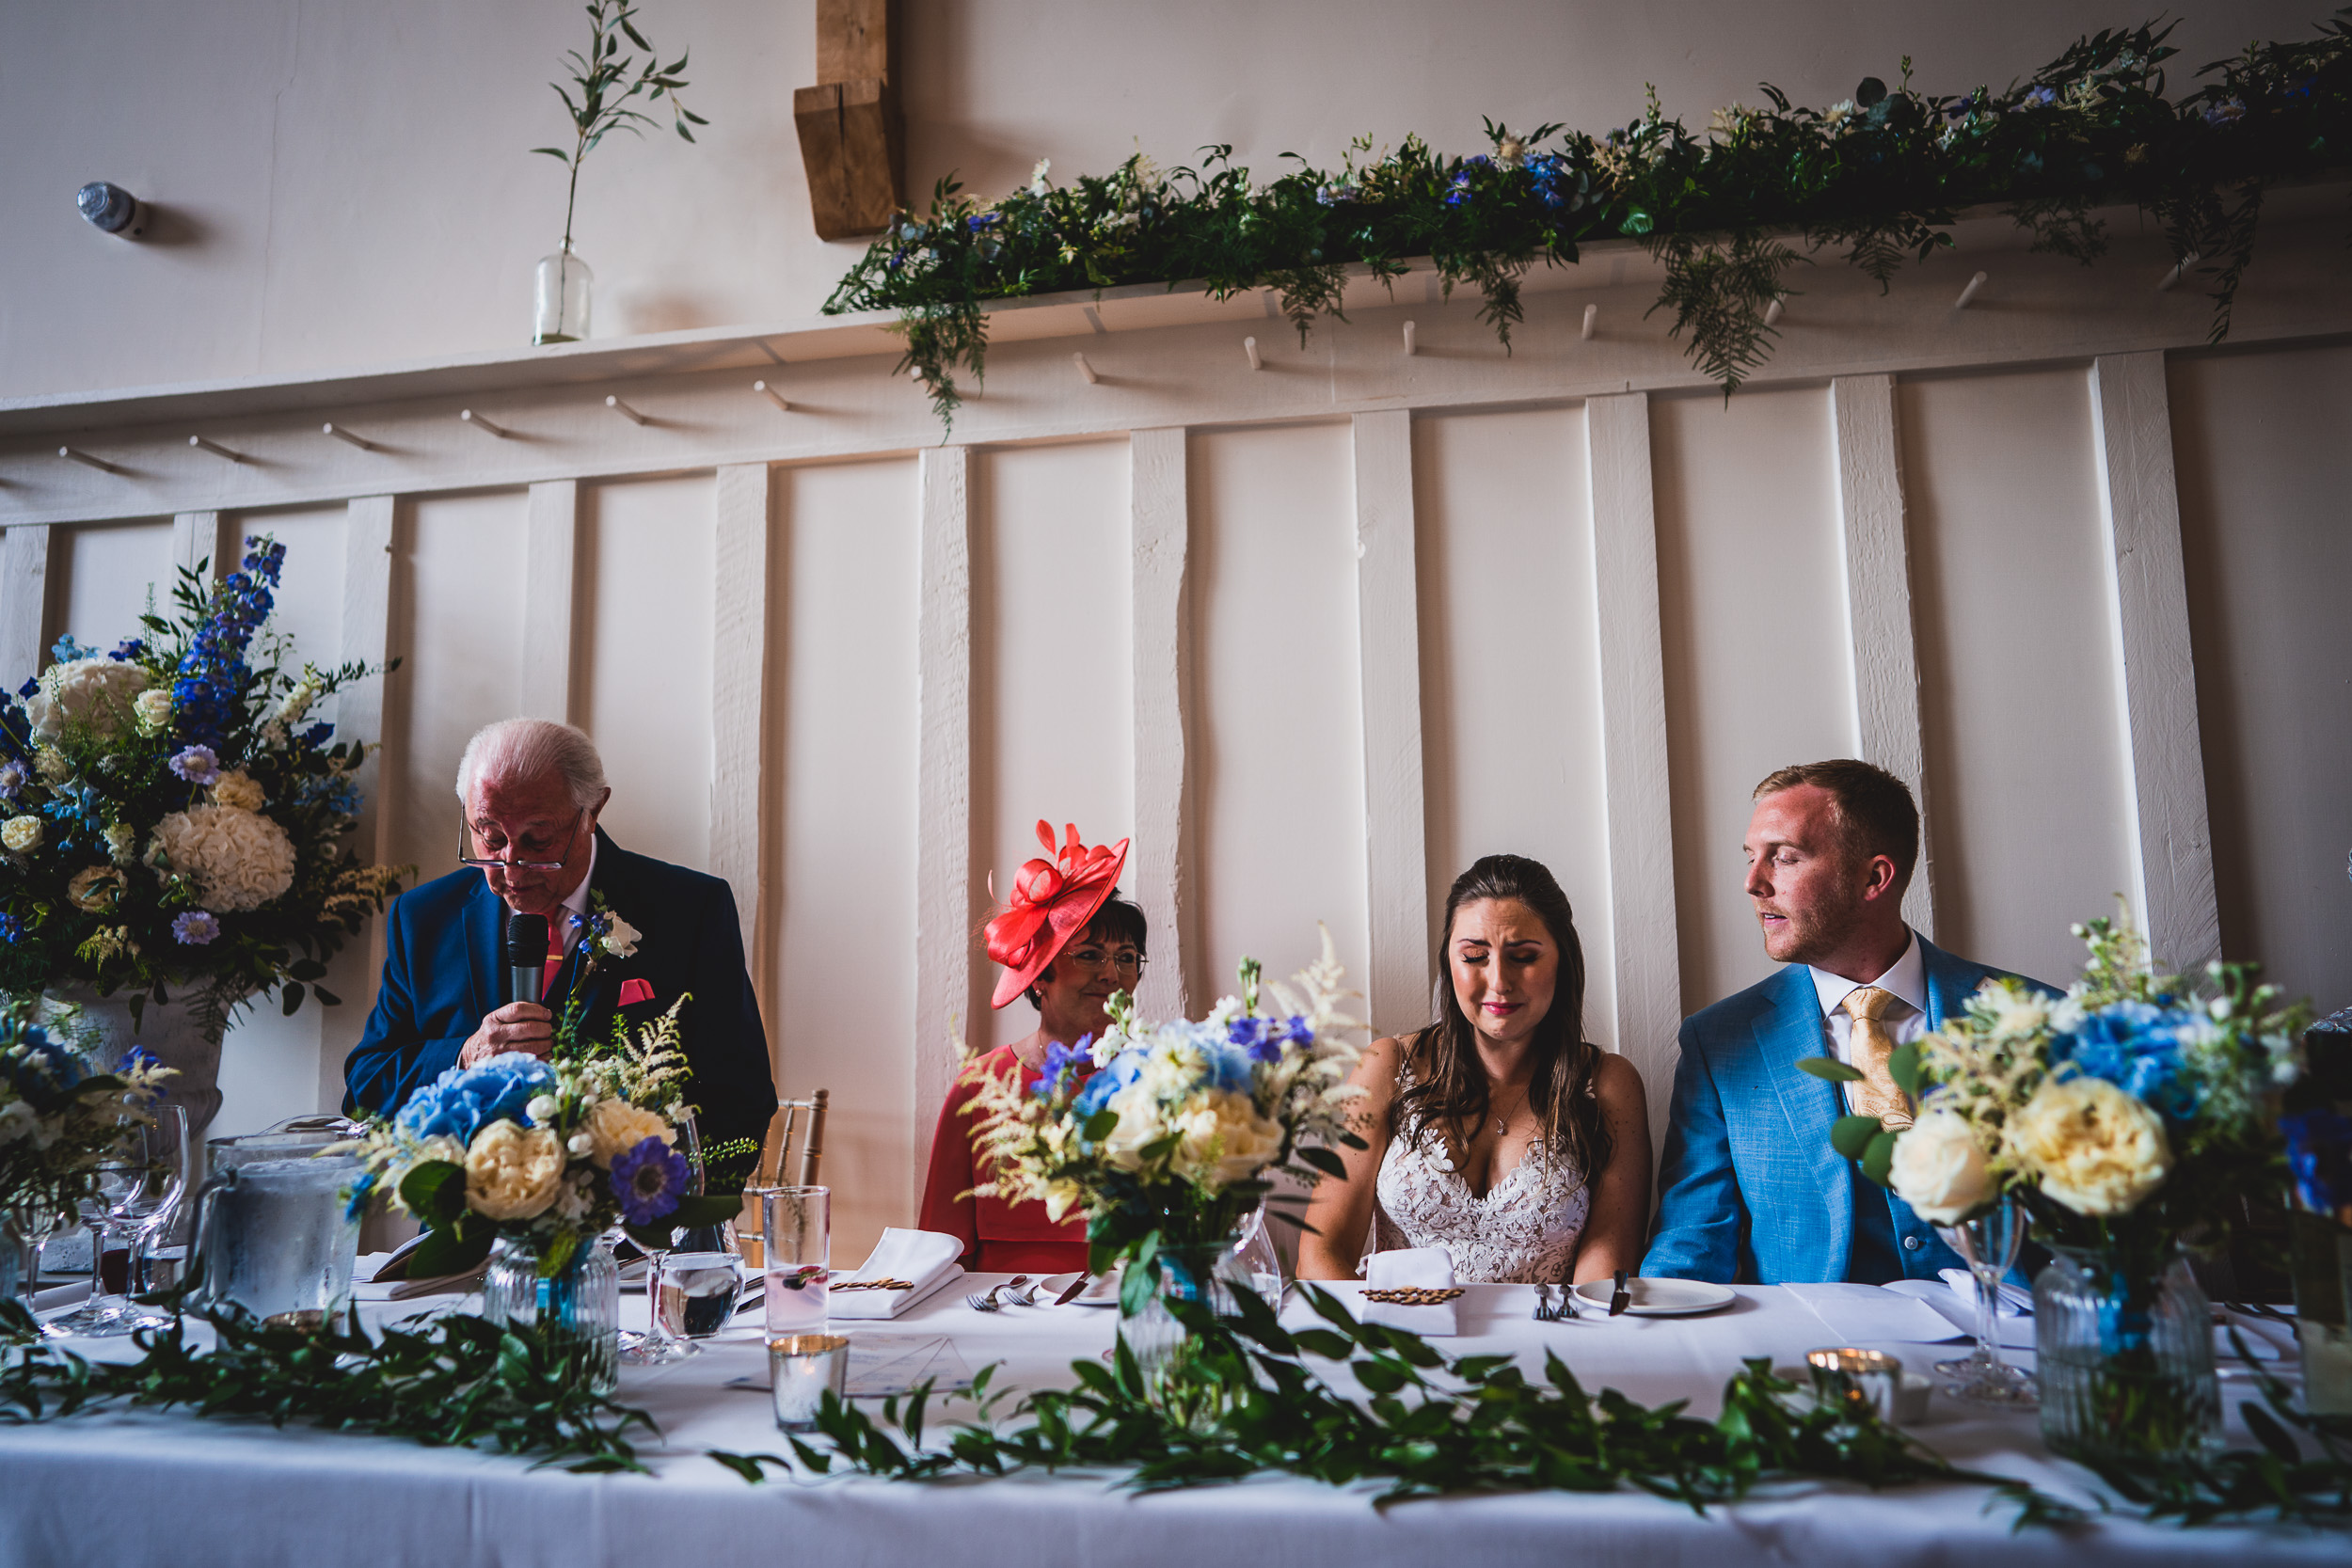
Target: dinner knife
[
  {"x": 1620, "y": 1298},
  {"x": 1077, "y": 1285}
]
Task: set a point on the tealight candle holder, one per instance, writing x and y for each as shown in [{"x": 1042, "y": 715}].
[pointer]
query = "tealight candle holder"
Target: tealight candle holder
[
  {"x": 802, "y": 1369},
  {"x": 1857, "y": 1380}
]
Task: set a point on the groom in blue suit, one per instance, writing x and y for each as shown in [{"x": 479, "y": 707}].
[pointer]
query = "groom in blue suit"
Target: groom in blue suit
[
  {"x": 1750, "y": 1189},
  {"x": 629, "y": 935}
]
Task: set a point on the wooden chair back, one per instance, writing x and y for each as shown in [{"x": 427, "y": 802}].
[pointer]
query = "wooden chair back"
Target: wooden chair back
[{"x": 807, "y": 1118}]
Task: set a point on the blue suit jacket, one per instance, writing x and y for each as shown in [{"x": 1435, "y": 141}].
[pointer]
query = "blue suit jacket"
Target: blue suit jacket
[
  {"x": 1750, "y": 1189},
  {"x": 444, "y": 969}
]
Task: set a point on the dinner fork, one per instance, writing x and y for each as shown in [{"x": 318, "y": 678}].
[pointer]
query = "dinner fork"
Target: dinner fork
[
  {"x": 985, "y": 1301},
  {"x": 1549, "y": 1311}
]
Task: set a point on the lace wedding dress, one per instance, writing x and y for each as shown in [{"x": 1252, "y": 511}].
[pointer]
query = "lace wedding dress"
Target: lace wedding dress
[{"x": 1524, "y": 1229}]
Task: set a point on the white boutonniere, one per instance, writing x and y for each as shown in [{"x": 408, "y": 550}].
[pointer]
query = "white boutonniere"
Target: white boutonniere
[{"x": 605, "y": 935}]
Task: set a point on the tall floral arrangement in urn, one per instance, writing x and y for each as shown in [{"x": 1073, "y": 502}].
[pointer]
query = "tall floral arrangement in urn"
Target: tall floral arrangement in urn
[
  {"x": 172, "y": 818},
  {"x": 2131, "y": 1117}
]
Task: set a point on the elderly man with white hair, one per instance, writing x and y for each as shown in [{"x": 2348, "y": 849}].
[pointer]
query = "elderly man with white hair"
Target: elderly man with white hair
[{"x": 627, "y": 936}]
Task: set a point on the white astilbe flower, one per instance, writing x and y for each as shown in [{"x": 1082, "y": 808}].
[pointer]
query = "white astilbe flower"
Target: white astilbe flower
[
  {"x": 93, "y": 693},
  {"x": 238, "y": 860}
]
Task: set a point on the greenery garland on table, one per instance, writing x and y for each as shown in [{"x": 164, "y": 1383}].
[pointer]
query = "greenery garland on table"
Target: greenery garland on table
[{"x": 1881, "y": 177}]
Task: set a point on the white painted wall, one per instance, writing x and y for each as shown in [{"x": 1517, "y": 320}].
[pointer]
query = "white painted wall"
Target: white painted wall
[{"x": 349, "y": 183}]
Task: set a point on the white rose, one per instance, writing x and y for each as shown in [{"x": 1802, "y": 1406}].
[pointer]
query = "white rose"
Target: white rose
[
  {"x": 2093, "y": 1148},
  {"x": 237, "y": 858},
  {"x": 21, "y": 834},
  {"x": 1224, "y": 1138},
  {"x": 96, "y": 693},
  {"x": 152, "y": 710},
  {"x": 1939, "y": 1168},
  {"x": 620, "y": 940},
  {"x": 17, "y": 1120},
  {"x": 1138, "y": 1124}
]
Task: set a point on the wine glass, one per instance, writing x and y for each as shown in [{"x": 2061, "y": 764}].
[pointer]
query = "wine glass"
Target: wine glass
[
  {"x": 119, "y": 1180},
  {"x": 1988, "y": 1244},
  {"x": 155, "y": 1213},
  {"x": 657, "y": 1346}
]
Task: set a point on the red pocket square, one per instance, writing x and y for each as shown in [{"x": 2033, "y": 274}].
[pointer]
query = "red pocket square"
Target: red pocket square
[{"x": 636, "y": 991}]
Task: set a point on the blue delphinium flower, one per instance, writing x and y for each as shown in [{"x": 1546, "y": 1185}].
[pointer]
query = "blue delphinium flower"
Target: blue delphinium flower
[
  {"x": 649, "y": 1180},
  {"x": 12, "y": 930},
  {"x": 463, "y": 1101},
  {"x": 357, "y": 1204},
  {"x": 335, "y": 791},
  {"x": 32, "y": 683},
  {"x": 1060, "y": 1061},
  {"x": 316, "y": 735},
  {"x": 2319, "y": 1157},
  {"x": 196, "y": 927},
  {"x": 208, "y": 695},
  {"x": 2137, "y": 1047},
  {"x": 127, "y": 650},
  {"x": 65, "y": 650}
]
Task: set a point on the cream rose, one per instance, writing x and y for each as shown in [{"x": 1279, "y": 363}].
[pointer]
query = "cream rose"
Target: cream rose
[
  {"x": 621, "y": 939},
  {"x": 2093, "y": 1148},
  {"x": 512, "y": 1172},
  {"x": 96, "y": 693},
  {"x": 95, "y": 888},
  {"x": 21, "y": 834},
  {"x": 1223, "y": 1138},
  {"x": 237, "y": 858},
  {"x": 616, "y": 1127},
  {"x": 237, "y": 790},
  {"x": 151, "y": 709},
  {"x": 1939, "y": 1168}
]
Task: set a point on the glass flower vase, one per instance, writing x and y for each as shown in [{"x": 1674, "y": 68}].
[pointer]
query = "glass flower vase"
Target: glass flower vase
[
  {"x": 2321, "y": 1246},
  {"x": 574, "y": 1311},
  {"x": 2124, "y": 1351},
  {"x": 1204, "y": 1267},
  {"x": 560, "y": 299}
]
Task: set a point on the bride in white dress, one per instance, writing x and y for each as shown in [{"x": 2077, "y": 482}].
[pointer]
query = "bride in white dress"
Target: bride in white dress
[{"x": 1498, "y": 1133}]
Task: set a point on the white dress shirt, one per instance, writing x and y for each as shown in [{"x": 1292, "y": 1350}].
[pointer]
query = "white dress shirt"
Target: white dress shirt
[{"x": 1905, "y": 1021}]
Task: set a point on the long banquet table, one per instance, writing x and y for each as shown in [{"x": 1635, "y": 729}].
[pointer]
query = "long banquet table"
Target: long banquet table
[{"x": 167, "y": 1488}]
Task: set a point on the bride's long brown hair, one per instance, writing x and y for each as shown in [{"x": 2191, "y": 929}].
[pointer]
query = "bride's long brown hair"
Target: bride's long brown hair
[{"x": 1449, "y": 1086}]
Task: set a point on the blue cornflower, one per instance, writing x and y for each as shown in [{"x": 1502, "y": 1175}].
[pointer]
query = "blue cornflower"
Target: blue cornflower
[
  {"x": 463, "y": 1101},
  {"x": 649, "y": 1180},
  {"x": 196, "y": 928},
  {"x": 983, "y": 220}
]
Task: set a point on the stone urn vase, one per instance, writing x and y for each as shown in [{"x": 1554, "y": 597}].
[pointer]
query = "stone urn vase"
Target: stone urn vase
[{"x": 184, "y": 1033}]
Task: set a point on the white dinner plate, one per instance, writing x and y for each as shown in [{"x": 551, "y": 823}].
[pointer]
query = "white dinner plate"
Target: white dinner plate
[
  {"x": 1658, "y": 1298},
  {"x": 1103, "y": 1292}
]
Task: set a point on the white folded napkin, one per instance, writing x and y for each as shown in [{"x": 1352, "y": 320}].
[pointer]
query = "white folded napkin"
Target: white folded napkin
[
  {"x": 2013, "y": 1300},
  {"x": 1428, "y": 1268},
  {"x": 1863, "y": 1314},
  {"x": 2014, "y": 1332},
  {"x": 925, "y": 1259}
]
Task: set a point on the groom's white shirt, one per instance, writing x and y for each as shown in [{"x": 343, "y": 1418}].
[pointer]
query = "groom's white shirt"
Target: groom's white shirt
[{"x": 1907, "y": 982}]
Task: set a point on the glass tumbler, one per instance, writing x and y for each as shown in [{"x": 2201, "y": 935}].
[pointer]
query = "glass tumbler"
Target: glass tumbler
[{"x": 796, "y": 1232}]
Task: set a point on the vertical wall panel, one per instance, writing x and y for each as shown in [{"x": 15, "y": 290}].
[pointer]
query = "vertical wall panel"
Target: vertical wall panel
[
  {"x": 269, "y": 1063},
  {"x": 1751, "y": 605},
  {"x": 1510, "y": 680},
  {"x": 643, "y": 686},
  {"x": 2024, "y": 755},
  {"x": 456, "y": 628},
  {"x": 841, "y": 773},
  {"x": 1051, "y": 690},
  {"x": 100, "y": 579},
  {"x": 1278, "y": 768},
  {"x": 2263, "y": 470}
]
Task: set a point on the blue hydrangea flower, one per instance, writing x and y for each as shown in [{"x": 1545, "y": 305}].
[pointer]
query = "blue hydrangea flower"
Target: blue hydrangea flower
[
  {"x": 357, "y": 1205},
  {"x": 1123, "y": 1070},
  {"x": 463, "y": 1101},
  {"x": 2319, "y": 1157},
  {"x": 2137, "y": 1047},
  {"x": 196, "y": 928},
  {"x": 649, "y": 1180}
]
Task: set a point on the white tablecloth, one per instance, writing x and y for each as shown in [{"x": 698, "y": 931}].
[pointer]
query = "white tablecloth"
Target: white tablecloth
[{"x": 150, "y": 1488}]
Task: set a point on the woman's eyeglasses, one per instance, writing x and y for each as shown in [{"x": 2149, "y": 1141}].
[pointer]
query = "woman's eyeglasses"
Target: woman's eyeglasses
[
  {"x": 529, "y": 852},
  {"x": 1125, "y": 961}
]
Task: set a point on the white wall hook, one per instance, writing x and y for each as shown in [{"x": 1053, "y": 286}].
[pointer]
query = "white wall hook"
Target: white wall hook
[
  {"x": 1409, "y": 349},
  {"x": 1592, "y": 316},
  {"x": 1249, "y": 347},
  {"x": 340, "y": 433},
  {"x": 625, "y": 411},
  {"x": 1084, "y": 369},
  {"x": 483, "y": 422},
  {"x": 773, "y": 395},
  {"x": 87, "y": 461},
  {"x": 215, "y": 449},
  {"x": 1772, "y": 311},
  {"x": 1970, "y": 293},
  {"x": 2179, "y": 271}
]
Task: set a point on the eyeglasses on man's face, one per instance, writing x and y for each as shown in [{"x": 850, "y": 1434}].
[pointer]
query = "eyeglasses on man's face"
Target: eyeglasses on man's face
[
  {"x": 488, "y": 845},
  {"x": 1094, "y": 957}
]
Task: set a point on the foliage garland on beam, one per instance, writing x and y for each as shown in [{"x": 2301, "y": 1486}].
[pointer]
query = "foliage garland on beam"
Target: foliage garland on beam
[{"x": 1881, "y": 178}]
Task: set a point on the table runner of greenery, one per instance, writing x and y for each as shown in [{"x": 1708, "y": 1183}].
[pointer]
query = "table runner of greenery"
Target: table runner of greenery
[{"x": 1881, "y": 176}]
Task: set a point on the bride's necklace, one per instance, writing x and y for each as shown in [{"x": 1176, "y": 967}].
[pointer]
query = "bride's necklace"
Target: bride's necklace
[{"x": 1503, "y": 1121}]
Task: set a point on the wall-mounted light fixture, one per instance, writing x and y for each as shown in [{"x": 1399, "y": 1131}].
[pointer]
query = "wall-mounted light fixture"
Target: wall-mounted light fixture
[{"x": 112, "y": 208}]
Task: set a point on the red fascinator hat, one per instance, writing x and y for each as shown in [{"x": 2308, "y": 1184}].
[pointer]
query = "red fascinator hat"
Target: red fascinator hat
[{"x": 1051, "y": 900}]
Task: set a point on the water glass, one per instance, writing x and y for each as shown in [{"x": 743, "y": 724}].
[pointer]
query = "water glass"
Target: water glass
[
  {"x": 801, "y": 1370},
  {"x": 796, "y": 1232},
  {"x": 694, "y": 1293},
  {"x": 1989, "y": 1246}
]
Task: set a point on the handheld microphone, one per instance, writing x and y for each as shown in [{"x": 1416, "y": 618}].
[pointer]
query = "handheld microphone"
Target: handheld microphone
[{"x": 526, "y": 956}]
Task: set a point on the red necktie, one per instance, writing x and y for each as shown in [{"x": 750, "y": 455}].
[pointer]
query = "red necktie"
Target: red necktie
[{"x": 546, "y": 975}]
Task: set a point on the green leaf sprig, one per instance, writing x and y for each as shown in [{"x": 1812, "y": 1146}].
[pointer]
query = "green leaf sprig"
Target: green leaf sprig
[{"x": 604, "y": 84}]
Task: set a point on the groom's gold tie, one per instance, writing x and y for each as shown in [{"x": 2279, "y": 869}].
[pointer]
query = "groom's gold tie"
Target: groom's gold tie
[{"x": 1869, "y": 1045}]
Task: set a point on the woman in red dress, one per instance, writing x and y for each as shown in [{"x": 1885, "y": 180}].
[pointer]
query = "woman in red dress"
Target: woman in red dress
[{"x": 1065, "y": 940}]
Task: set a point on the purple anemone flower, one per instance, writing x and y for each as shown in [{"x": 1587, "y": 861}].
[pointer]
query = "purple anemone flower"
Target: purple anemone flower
[{"x": 649, "y": 1180}]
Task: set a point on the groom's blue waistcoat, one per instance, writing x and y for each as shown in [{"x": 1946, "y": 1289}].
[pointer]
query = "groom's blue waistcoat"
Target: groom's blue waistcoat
[
  {"x": 444, "y": 969},
  {"x": 1750, "y": 1189}
]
